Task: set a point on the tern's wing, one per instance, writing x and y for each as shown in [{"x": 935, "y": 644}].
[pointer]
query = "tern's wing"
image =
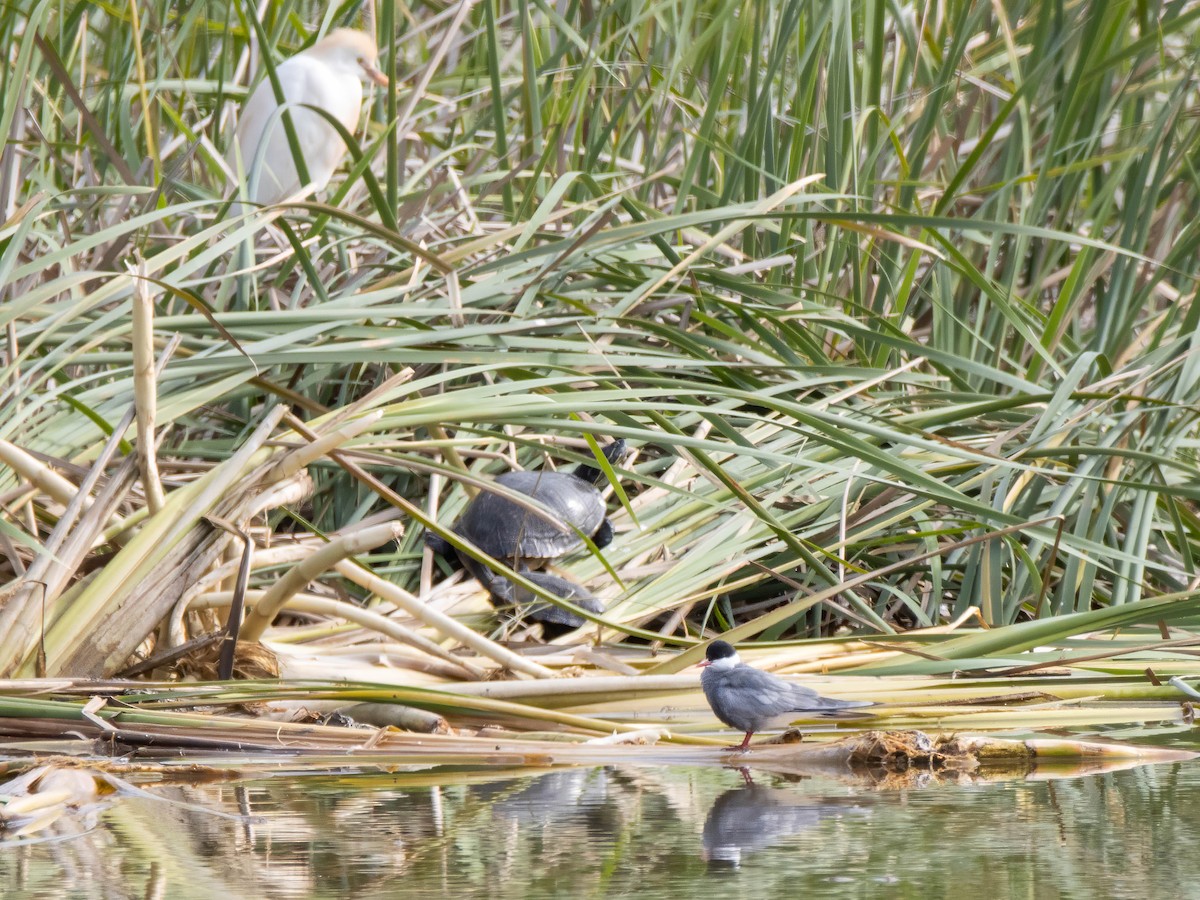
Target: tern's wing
[{"x": 767, "y": 692}]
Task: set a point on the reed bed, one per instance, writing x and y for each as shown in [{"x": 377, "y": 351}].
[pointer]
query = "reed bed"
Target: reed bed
[{"x": 894, "y": 304}]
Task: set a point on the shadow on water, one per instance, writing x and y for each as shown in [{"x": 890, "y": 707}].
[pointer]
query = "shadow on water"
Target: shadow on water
[{"x": 627, "y": 831}]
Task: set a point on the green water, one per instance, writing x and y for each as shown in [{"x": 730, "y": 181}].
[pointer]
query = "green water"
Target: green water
[{"x": 632, "y": 832}]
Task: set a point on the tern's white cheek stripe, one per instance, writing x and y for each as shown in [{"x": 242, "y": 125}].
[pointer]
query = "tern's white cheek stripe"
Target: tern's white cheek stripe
[{"x": 726, "y": 662}]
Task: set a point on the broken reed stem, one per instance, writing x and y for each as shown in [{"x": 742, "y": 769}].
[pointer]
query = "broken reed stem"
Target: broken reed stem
[
  {"x": 300, "y": 575},
  {"x": 38, "y": 474},
  {"x": 237, "y": 599},
  {"x": 145, "y": 388}
]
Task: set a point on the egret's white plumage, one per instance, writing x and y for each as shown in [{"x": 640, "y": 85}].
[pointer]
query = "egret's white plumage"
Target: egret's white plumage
[{"x": 328, "y": 75}]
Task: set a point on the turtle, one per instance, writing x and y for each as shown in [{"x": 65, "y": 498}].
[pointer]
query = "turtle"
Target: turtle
[{"x": 526, "y": 541}]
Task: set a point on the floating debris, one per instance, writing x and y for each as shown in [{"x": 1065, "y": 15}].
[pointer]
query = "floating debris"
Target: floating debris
[
  {"x": 33, "y": 801},
  {"x": 902, "y": 751}
]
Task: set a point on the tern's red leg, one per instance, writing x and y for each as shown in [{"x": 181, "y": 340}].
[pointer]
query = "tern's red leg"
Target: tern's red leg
[{"x": 745, "y": 744}]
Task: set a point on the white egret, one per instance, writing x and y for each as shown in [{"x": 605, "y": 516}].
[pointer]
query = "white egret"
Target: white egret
[{"x": 329, "y": 75}]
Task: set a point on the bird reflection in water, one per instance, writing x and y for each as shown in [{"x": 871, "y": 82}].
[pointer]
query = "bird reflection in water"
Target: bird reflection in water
[{"x": 747, "y": 819}]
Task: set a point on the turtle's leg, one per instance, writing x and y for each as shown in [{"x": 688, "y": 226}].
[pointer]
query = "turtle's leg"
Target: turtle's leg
[
  {"x": 498, "y": 586},
  {"x": 604, "y": 534},
  {"x": 443, "y": 548},
  {"x": 559, "y": 587},
  {"x": 439, "y": 545}
]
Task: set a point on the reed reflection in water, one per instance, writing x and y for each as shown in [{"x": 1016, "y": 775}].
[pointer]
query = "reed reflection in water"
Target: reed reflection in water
[{"x": 646, "y": 831}]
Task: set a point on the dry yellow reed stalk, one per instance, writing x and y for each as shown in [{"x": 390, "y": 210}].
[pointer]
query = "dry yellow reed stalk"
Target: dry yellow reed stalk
[
  {"x": 310, "y": 451},
  {"x": 441, "y": 622},
  {"x": 38, "y": 474},
  {"x": 145, "y": 389},
  {"x": 300, "y": 575},
  {"x": 366, "y": 618}
]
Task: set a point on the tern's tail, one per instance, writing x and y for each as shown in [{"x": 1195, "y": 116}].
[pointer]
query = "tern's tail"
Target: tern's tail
[{"x": 843, "y": 709}]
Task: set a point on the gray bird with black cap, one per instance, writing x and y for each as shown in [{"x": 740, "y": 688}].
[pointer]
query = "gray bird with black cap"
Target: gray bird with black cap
[{"x": 750, "y": 700}]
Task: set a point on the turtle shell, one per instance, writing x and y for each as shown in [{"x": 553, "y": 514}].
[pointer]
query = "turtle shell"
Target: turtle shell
[{"x": 505, "y": 530}]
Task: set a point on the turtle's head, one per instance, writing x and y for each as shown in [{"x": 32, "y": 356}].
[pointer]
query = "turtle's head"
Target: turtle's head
[
  {"x": 439, "y": 545},
  {"x": 613, "y": 451}
]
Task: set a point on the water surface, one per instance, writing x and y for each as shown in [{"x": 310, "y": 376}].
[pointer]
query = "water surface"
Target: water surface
[{"x": 633, "y": 832}]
